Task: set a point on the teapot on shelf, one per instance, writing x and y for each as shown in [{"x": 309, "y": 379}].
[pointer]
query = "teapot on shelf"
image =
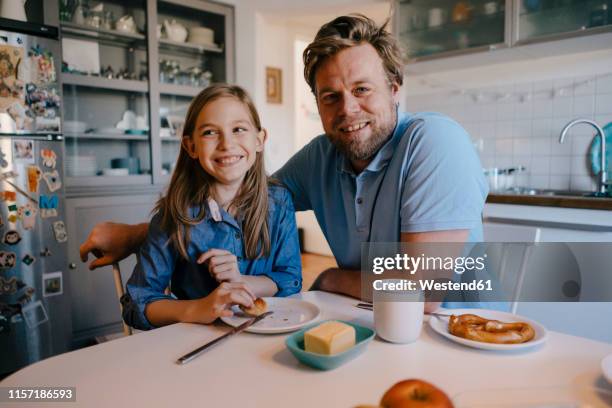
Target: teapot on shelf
[
  {"x": 126, "y": 24},
  {"x": 175, "y": 31}
]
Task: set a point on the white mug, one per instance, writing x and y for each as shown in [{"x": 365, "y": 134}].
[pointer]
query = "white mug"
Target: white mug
[{"x": 398, "y": 317}]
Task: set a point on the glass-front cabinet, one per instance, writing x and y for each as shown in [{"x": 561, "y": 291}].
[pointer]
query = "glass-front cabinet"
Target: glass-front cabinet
[
  {"x": 549, "y": 19},
  {"x": 441, "y": 28},
  {"x": 444, "y": 27},
  {"x": 194, "y": 39},
  {"x": 129, "y": 71}
]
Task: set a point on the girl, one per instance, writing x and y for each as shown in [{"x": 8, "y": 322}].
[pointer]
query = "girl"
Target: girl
[{"x": 223, "y": 234}]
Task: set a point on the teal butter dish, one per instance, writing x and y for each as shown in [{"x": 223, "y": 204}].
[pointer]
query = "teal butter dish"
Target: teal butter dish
[{"x": 295, "y": 344}]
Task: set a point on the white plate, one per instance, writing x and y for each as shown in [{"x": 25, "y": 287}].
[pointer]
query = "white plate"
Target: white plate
[
  {"x": 606, "y": 366},
  {"x": 440, "y": 326},
  {"x": 289, "y": 315}
]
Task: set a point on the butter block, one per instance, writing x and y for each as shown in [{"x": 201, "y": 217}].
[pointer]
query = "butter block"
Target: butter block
[{"x": 329, "y": 338}]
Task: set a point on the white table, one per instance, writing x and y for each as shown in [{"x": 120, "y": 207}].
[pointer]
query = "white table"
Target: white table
[{"x": 252, "y": 370}]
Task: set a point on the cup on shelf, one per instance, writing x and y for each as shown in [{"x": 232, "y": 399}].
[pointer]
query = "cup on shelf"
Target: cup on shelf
[
  {"x": 126, "y": 24},
  {"x": 130, "y": 163},
  {"x": 436, "y": 17}
]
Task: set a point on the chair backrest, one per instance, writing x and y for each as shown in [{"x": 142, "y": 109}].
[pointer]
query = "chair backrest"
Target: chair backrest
[
  {"x": 504, "y": 233},
  {"x": 127, "y": 330}
]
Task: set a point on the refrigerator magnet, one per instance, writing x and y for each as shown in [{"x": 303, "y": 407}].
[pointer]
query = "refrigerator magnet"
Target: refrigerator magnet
[
  {"x": 3, "y": 163},
  {"x": 23, "y": 151},
  {"x": 48, "y": 205},
  {"x": 8, "y": 196},
  {"x": 52, "y": 284},
  {"x": 27, "y": 215},
  {"x": 59, "y": 230},
  {"x": 12, "y": 237},
  {"x": 34, "y": 175},
  {"x": 8, "y": 286},
  {"x": 26, "y": 297},
  {"x": 5, "y": 325},
  {"x": 49, "y": 158},
  {"x": 7, "y": 259},
  {"x": 28, "y": 259},
  {"x": 34, "y": 314},
  {"x": 53, "y": 180}
]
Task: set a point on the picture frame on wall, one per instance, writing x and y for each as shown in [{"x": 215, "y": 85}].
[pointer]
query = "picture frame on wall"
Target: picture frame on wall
[{"x": 274, "y": 85}]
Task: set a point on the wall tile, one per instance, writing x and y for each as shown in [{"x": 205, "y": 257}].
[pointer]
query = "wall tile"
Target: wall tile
[
  {"x": 542, "y": 108},
  {"x": 522, "y": 146},
  {"x": 504, "y": 129},
  {"x": 560, "y": 182},
  {"x": 581, "y": 144},
  {"x": 539, "y": 181},
  {"x": 584, "y": 106},
  {"x": 584, "y": 85},
  {"x": 603, "y": 104},
  {"x": 560, "y": 165},
  {"x": 503, "y": 147},
  {"x": 540, "y": 165},
  {"x": 604, "y": 84},
  {"x": 562, "y": 107},
  {"x": 582, "y": 183},
  {"x": 522, "y": 128},
  {"x": 580, "y": 166},
  {"x": 541, "y": 146},
  {"x": 541, "y": 127},
  {"x": 487, "y": 130}
]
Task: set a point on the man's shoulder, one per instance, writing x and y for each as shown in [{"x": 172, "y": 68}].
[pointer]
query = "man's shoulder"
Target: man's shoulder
[{"x": 423, "y": 123}]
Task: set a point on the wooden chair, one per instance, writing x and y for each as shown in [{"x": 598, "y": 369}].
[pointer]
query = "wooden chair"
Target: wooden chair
[{"x": 127, "y": 330}]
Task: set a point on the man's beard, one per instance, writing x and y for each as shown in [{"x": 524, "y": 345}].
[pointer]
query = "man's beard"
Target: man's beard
[{"x": 356, "y": 149}]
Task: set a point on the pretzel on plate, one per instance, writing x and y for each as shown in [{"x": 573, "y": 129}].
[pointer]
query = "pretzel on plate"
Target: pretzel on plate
[{"x": 477, "y": 328}]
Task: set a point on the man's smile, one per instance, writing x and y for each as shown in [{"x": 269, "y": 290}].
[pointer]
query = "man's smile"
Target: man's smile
[{"x": 354, "y": 127}]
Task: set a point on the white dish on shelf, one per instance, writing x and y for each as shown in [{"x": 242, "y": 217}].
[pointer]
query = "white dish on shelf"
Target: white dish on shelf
[
  {"x": 440, "y": 326},
  {"x": 121, "y": 171},
  {"x": 74, "y": 126}
]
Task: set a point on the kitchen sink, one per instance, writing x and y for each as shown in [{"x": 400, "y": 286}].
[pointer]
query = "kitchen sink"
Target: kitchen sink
[{"x": 552, "y": 193}]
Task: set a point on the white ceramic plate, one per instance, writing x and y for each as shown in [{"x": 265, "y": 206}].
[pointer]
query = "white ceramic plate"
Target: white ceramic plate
[
  {"x": 606, "y": 366},
  {"x": 440, "y": 326},
  {"x": 289, "y": 315}
]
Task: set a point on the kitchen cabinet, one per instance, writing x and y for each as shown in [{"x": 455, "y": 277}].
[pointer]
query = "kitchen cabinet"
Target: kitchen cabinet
[
  {"x": 94, "y": 303},
  {"x": 445, "y": 28},
  {"x": 130, "y": 71}
]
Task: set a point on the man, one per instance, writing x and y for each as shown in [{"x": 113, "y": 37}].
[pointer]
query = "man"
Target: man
[{"x": 377, "y": 175}]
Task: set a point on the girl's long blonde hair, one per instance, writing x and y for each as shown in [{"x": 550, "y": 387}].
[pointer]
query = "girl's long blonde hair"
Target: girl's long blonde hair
[{"x": 190, "y": 186}]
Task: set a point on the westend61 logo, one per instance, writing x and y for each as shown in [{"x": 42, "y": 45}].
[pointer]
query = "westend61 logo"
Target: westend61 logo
[{"x": 413, "y": 264}]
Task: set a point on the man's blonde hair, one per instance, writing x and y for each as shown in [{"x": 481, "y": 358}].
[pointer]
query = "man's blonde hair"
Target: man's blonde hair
[{"x": 349, "y": 31}]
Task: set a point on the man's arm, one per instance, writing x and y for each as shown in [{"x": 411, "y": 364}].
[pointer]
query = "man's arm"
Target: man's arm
[
  {"x": 111, "y": 242},
  {"x": 348, "y": 281}
]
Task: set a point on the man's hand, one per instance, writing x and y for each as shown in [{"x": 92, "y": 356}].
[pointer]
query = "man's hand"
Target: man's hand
[
  {"x": 111, "y": 242},
  {"x": 222, "y": 265}
]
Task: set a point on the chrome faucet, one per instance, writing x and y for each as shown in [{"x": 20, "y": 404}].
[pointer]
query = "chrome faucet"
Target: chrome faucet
[{"x": 602, "y": 188}]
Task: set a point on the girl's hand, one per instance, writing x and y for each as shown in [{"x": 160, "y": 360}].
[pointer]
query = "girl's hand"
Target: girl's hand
[
  {"x": 219, "y": 303},
  {"x": 222, "y": 265}
]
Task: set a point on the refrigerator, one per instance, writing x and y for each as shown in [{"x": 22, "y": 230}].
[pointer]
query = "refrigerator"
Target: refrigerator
[{"x": 35, "y": 320}]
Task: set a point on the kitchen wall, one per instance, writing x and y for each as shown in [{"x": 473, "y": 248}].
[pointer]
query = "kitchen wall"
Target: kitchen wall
[{"x": 514, "y": 113}]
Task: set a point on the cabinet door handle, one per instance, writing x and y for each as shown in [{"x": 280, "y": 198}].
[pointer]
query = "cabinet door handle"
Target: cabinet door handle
[{"x": 72, "y": 265}]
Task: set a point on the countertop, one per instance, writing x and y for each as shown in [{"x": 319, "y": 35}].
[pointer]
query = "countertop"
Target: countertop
[{"x": 552, "y": 201}]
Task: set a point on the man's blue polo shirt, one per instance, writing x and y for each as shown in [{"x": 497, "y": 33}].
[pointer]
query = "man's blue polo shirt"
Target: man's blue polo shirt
[{"x": 427, "y": 177}]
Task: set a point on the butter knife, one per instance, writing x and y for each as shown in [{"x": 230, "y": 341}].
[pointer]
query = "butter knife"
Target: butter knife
[{"x": 195, "y": 353}]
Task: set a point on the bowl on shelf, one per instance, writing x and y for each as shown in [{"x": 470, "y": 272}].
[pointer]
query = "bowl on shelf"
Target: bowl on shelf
[
  {"x": 202, "y": 36},
  {"x": 74, "y": 126},
  {"x": 116, "y": 172}
]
